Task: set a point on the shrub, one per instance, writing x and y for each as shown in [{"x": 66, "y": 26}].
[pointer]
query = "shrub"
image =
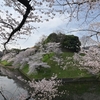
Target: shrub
[
  {"x": 71, "y": 42},
  {"x": 68, "y": 42},
  {"x": 52, "y": 38}
]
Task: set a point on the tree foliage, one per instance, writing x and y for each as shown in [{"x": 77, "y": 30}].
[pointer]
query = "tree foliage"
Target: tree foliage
[
  {"x": 53, "y": 37},
  {"x": 67, "y": 42},
  {"x": 71, "y": 42},
  {"x": 90, "y": 59}
]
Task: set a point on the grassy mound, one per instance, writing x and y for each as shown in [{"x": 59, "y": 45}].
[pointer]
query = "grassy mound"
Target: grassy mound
[{"x": 67, "y": 68}]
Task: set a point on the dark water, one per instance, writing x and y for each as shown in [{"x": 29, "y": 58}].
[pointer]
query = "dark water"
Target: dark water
[
  {"x": 80, "y": 91},
  {"x": 12, "y": 88}
]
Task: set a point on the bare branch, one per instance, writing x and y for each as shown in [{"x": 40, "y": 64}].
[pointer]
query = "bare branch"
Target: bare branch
[
  {"x": 96, "y": 32},
  {"x": 72, "y": 3},
  {"x": 7, "y": 24},
  {"x": 3, "y": 95},
  {"x": 25, "y": 3}
]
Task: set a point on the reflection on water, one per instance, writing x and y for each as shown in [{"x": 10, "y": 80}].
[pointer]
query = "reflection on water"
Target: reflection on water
[
  {"x": 10, "y": 86},
  {"x": 10, "y": 89},
  {"x": 80, "y": 91}
]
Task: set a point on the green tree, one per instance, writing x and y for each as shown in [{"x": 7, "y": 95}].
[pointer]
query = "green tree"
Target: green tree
[
  {"x": 52, "y": 38},
  {"x": 71, "y": 42}
]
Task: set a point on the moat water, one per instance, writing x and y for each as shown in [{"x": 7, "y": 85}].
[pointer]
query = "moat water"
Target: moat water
[{"x": 12, "y": 88}]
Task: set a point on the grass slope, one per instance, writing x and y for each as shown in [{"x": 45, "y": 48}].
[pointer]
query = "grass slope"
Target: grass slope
[
  {"x": 5, "y": 63},
  {"x": 70, "y": 71}
]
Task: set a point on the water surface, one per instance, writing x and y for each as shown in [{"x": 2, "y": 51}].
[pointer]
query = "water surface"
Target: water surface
[{"x": 10, "y": 86}]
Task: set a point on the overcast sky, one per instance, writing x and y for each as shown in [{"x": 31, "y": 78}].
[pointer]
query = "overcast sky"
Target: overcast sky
[
  {"x": 47, "y": 27},
  {"x": 59, "y": 23}
]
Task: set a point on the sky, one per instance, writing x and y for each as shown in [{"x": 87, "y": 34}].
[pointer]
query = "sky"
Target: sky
[
  {"x": 59, "y": 23},
  {"x": 46, "y": 28}
]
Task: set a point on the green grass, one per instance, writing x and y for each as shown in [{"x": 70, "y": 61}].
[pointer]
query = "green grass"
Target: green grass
[
  {"x": 41, "y": 73},
  {"x": 5, "y": 63},
  {"x": 25, "y": 69},
  {"x": 72, "y": 71},
  {"x": 47, "y": 57}
]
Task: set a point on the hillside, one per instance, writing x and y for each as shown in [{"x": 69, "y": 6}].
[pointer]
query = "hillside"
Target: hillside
[
  {"x": 44, "y": 61},
  {"x": 55, "y": 56}
]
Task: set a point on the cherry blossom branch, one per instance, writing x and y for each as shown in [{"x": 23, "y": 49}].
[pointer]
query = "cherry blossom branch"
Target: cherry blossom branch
[
  {"x": 7, "y": 24},
  {"x": 26, "y": 3},
  {"x": 95, "y": 32},
  {"x": 28, "y": 98},
  {"x": 3, "y": 95},
  {"x": 29, "y": 8},
  {"x": 71, "y": 3}
]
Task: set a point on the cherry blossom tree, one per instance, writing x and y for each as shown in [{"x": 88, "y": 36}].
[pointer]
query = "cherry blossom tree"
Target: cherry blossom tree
[
  {"x": 26, "y": 14},
  {"x": 37, "y": 90},
  {"x": 87, "y": 41},
  {"x": 33, "y": 11},
  {"x": 29, "y": 11},
  {"x": 44, "y": 88},
  {"x": 90, "y": 60}
]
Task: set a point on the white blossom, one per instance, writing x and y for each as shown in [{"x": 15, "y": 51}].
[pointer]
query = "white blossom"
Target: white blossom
[
  {"x": 90, "y": 60},
  {"x": 9, "y": 56}
]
